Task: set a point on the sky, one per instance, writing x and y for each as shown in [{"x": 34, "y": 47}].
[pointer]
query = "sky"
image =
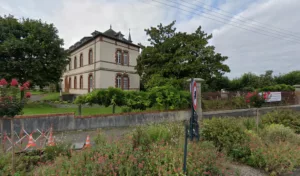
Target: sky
[{"x": 256, "y": 35}]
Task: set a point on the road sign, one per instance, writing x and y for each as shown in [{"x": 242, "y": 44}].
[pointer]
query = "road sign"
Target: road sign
[{"x": 194, "y": 94}]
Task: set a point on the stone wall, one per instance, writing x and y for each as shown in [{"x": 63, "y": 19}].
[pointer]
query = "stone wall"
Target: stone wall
[{"x": 69, "y": 122}]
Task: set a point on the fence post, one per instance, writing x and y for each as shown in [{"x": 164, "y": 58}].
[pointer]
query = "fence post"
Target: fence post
[
  {"x": 2, "y": 136},
  {"x": 13, "y": 145},
  {"x": 297, "y": 93},
  {"x": 199, "y": 98}
]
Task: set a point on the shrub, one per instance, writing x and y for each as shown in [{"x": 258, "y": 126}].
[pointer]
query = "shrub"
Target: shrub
[
  {"x": 226, "y": 135},
  {"x": 137, "y": 100},
  {"x": 277, "y": 133},
  {"x": 168, "y": 97},
  {"x": 160, "y": 158},
  {"x": 278, "y": 87},
  {"x": 287, "y": 118},
  {"x": 275, "y": 158}
]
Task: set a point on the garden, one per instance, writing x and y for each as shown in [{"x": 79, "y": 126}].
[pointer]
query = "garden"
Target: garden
[{"x": 157, "y": 149}]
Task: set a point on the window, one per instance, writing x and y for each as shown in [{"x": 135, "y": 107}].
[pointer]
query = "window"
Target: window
[
  {"x": 70, "y": 83},
  {"x": 125, "y": 57},
  {"x": 70, "y": 64},
  {"x": 90, "y": 56},
  {"x": 118, "y": 81},
  {"x": 90, "y": 83},
  {"x": 125, "y": 83},
  {"x": 81, "y": 60},
  {"x": 81, "y": 82},
  {"x": 75, "y": 62},
  {"x": 75, "y": 82},
  {"x": 119, "y": 57}
]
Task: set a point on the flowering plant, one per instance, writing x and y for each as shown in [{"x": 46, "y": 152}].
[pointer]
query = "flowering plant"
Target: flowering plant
[
  {"x": 11, "y": 99},
  {"x": 256, "y": 99}
]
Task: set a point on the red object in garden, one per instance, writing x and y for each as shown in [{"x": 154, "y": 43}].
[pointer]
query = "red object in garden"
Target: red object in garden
[
  {"x": 30, "y": 142},
  {"x": 3, "y": 82},
  {"x": 28, "y": 95},
  {"x": 87, "y": 142},
  {"x": 51, "y": 139},
  {"x": 26, "y": 85},
  {"x": 14, "y": 82}
]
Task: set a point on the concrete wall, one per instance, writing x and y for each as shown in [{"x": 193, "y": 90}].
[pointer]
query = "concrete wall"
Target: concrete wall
[{"x": 67, "y": 122}]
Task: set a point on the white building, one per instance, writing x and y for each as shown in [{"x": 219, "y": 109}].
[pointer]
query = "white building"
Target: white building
[{"x": 100, "y": 61}]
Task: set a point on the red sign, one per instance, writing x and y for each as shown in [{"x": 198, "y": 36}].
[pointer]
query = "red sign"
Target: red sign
[{"x": 194, "y": 94}]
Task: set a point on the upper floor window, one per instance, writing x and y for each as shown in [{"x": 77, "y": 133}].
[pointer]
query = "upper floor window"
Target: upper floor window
[
  {"x": 70, "y": 64},
  {"x": 75, "y": 62},
  {"x": 81, "y": 60},
  {"x": 90, "y": 56},
  {"x": 126, "y": 58},
  {"x": 119, "y": 57}
]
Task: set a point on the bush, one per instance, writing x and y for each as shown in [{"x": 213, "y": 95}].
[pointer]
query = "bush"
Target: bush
[
  {"x": 137, "y": 100},
  {"x": 146, "y": 135},
  {"x": 278, "y": 87},
  {"x": 226, "y": 135},
  {"x": 275, "y": 158},
  {"x": 277, "y": 133},
  {"x": 287, "y": 118},
  {"x": 168, "y": 97},
  {"x": 161, "y": 158}
]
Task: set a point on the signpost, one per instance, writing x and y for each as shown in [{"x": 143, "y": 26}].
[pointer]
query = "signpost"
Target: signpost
[{"x": 191, "y": 129}]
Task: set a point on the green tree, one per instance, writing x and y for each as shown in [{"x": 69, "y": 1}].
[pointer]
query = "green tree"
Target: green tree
[
  {"x": 179, "y": 55},
  {"x": 291, "y": 78},
  {"x": 31, "y": 50}
]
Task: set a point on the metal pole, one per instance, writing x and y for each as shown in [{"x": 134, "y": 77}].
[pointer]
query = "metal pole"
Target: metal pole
[
  {"x": 192, "y": 112},
  {"x": 185, "y": 147},
  {"x": 13, "y": 145},
  {"x": 2, "y": 135}
]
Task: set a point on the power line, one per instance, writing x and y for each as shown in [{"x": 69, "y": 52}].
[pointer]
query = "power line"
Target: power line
[
  {"x": 221, "y": 17},
  {"x": 249, "y": 19},
  {"x": 265, "y": 34}
]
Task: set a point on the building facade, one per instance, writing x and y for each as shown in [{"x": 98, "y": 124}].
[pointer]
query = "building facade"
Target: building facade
[{"x": 100, "y": 61}]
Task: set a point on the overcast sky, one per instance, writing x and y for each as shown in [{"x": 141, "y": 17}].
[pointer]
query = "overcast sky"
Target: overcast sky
[{"x": 256, "y": 35}]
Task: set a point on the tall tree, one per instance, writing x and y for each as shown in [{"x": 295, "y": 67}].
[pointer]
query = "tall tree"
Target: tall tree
[
  {"x": 31, "y": 50},
  {"x": 179, "y": 55}
]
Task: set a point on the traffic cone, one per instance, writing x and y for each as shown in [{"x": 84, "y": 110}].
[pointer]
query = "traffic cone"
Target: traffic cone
[
  {"x": 30, "y": 142},
  {"x": 51, "y": 140},
  {"x": 87, "y": 142}
]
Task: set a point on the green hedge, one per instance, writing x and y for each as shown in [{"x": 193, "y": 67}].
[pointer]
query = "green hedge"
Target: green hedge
[
  {"x": 162, "y": 98},
  {"x": 278, "y": 87}
]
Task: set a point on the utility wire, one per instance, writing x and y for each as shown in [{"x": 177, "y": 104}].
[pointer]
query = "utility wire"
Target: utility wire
[
  {"x": 249, "y": 19},
  {"x": 258, "y": 32},
  {"x": 246, "y": 25}
]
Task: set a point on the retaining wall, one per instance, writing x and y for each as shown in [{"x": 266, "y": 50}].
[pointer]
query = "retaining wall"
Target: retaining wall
[{"x": 68, "y": 122}]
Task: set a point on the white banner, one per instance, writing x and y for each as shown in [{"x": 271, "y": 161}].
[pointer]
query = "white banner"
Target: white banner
[{"x": 274, "y": 96}]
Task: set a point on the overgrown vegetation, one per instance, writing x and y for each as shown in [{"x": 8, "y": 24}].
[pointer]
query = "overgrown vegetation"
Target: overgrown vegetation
[
  {"x": 162, "y": 98},
  {"x": 274, "y": 147}
]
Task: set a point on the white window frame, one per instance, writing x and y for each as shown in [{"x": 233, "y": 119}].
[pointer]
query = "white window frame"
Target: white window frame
[
  {"x": 119, "y": 55},
  {"x": 126, "y": 86},
  {"x": 125, "y": 59},
  {"x": 119, "y": 81}
]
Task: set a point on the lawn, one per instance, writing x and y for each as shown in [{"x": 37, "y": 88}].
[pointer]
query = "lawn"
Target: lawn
[{"x": 33, "y": 109}]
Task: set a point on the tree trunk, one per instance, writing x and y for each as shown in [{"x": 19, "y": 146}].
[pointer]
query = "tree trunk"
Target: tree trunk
[{"x": 13, "y": 145}]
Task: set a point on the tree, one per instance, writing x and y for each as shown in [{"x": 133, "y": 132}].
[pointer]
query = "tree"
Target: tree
[
  {"x": 178, "y": 55},
  {"x": 291, "y": 78},
  {"x": 31, "y": 50}
]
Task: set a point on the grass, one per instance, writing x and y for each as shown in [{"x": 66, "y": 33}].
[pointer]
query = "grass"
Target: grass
[
  {"x": 36, "y": 92},
  {"x": 52, "y": 96},
  {"x": 34, "y": 109}
]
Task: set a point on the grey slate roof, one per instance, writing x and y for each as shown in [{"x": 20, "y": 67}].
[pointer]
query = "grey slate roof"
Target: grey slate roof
[{"x": 110, "y": 33}]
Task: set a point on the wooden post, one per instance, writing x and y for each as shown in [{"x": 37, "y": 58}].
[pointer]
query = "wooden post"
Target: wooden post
[
  {"x": 257, "y": 118},
  {"x": 2, "y": 135},
  {"x": 13, "y": 145}
]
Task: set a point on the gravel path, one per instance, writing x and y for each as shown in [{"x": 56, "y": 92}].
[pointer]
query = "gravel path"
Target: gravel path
[{"x": 243, "y": 170}]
